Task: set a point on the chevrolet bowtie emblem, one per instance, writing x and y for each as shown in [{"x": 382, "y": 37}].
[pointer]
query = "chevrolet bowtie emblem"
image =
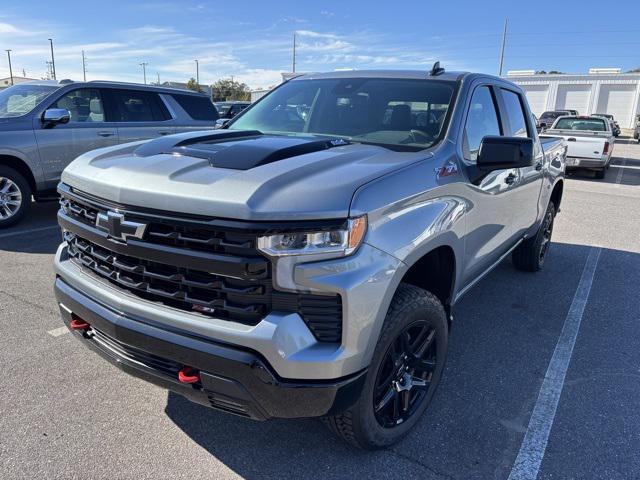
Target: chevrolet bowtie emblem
[{"x": 117, "y": 227}]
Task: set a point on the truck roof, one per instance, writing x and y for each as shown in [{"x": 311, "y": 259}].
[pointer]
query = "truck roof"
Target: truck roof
[{"x": 408, "y": 74}]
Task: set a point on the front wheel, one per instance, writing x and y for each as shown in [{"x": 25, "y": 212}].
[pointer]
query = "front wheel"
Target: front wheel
[
  {"x": 15, "y": 196},
  {"x": 531, "y": 253},
  {"x": 404, "y": 372}
]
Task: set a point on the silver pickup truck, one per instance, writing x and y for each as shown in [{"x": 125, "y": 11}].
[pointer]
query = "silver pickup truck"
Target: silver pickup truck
[{"x": 305, "y": 260}]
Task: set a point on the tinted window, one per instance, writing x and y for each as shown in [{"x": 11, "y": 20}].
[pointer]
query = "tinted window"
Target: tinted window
[
  {"x": 237, "y": 108},
  {"x": 482, "y": 120},
  {"x": 136, "y": 106},
  {"x": 515, "y": 112},
  {"x": 198, "y": 108},
  {"x": 21, "y": 99},
  {"x": 592, "y": 124},
  {"x": 84, "y": 105},
  {"x": 391, "y": 112}
]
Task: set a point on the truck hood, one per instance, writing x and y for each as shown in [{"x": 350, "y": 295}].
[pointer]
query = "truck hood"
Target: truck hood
[{"x": 236, "y": 175}]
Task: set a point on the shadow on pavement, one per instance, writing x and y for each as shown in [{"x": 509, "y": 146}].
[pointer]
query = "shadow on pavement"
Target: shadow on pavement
[
  {"x": 36, "y": 233},
  {"x": 503, "y": 336}
]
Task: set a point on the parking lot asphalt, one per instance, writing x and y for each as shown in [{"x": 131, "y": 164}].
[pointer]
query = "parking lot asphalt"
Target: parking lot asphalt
[{"x": 65, "y": 413}]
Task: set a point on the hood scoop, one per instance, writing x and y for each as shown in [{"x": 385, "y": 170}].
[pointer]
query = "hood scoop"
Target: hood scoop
[
  {"x": 252, "y": 151},
  {"x": 238, "y": 150}
]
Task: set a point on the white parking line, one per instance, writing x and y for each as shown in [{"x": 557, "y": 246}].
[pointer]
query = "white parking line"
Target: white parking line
[
  {"x": 26, "y": 232},
  {"x": 56, "y": 332},
  {"x": 534, "y": 444},
  {"x": 621, "y": 170}
]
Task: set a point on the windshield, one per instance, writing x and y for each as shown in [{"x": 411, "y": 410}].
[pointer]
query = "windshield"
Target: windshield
[
  {"x": 395, "y": 113},
  {"x": 591, "y": 124},
  {"x": 21, "y": 99}
]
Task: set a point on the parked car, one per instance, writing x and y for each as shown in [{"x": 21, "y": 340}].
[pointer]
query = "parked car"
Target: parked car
[
  {"x": 573, "y": 112},
  {"x": 305, "y": 262},
  {"x": 230, "y": 109},
  {"x": 590, "y": 142},
  {"x": 636, "y": 130},
  {"x": 45, "y": 125},
  {"x": 547, "y": 118},
  {"x": 615, "y": 128}
]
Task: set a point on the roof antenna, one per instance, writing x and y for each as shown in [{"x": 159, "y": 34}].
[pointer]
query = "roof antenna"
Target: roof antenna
[{"x": 436, "y": 70}]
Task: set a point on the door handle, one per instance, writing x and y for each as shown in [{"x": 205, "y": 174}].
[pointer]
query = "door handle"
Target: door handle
[
  {"x": 164, "y": 132},
  {"x": 538, "y": 166},
  {"x": 511, "y": 178},
  {"x": 106, "y": 134}
]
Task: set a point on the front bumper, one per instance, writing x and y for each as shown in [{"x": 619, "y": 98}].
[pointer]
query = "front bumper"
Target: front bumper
[{"x": 231, "y": 379}]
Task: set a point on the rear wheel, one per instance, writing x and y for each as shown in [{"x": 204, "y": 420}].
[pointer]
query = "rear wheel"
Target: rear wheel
[
  {"x": 404, "y": 373},
  {"x": 531, "y": 253},
  {"x": 600, "y": 173},
  {"x": 15, "y": 196}
]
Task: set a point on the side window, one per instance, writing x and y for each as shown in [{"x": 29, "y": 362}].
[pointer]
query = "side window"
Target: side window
[
  {"x": 198, "y": 108},
  {"x": 482, "y": 120},
  {"x": 516, "y": 114},
  {"x": 137, "y": 106},
  {"x": 84, "y": 104}
]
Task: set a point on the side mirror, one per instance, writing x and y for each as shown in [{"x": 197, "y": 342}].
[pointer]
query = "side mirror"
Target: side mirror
[
  {"x": 499, "y": 153},
  {"x": 55, "y": 116},
  {"x": 221, "y": 122}
]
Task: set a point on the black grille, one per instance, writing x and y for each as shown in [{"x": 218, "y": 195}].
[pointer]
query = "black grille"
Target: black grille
[{"x": 181, "y": 282}]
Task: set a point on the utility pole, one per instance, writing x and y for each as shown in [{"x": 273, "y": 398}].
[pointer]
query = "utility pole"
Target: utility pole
[
  {"x": 293, "y": 66},
  {"x": 10, "y": 70},
  {"x": 144, "y": 71},
  {"x": 504, "y": 44},
  {"x": 158, "y": 74},
  {"x": 84, "y": 67},
  {"x": 197, "y": 72},
  {"x": 53, "y": 61}
]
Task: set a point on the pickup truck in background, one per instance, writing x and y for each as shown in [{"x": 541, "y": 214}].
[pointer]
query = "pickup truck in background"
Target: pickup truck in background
[
  {"x": 44, "y": 125},
  {"x": 615, "y": 127},
  {"x": 305, "y": 260},
  {"x": 590, "y": 142}
]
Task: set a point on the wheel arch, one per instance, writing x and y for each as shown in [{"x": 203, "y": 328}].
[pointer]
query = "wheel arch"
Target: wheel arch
[
  {"x": 556, "y": 194},
  {"x": 21, "y": 167}
]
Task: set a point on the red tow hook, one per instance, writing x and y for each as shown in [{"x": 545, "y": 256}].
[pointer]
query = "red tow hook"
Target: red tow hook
[
  {"x": 188, "y": 375},
  {"x": 78, "y": 324}
]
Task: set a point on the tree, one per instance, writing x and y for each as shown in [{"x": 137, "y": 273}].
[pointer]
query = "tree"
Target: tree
[
  {"x": 555, "y": 72},
  {"x": 635, "y": 70},
  {"x": 226, "y": 89},
  {"x": 193, "y": 85}
]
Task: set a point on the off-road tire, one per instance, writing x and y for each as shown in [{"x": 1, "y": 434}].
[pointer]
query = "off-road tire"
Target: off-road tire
[
  {"x": 530, "y": 256},
  {"x": 358, "y": 425},
  {"x": 25, "y": 192}
]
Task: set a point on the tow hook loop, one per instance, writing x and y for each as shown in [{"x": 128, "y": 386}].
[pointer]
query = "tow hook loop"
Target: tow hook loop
[
  {"x": 77, "y": 324},
  {"x": 188, "y": 375}
]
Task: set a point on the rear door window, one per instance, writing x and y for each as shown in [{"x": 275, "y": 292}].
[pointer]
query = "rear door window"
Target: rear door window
[
  {"x": 198, "y": 108},
  {"x": 515, "y": 112},
  {"x": 138, "y": 106}
]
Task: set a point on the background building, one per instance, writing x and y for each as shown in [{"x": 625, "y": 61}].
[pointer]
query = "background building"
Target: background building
[
  {"x": 602, "y": 90},
  {"x": 6, "y": 82}
]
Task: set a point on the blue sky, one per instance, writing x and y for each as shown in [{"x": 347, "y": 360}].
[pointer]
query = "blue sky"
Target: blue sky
[{"x": 252, "y": 40}]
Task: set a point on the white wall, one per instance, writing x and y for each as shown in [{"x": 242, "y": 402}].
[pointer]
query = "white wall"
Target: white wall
[{"x": 617, "y": 94}]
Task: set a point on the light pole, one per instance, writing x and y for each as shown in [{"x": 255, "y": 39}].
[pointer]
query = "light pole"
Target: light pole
[
  {"x": 197, "y": 72},
  {"x": 144, "y": 71},
  {"x": 53, "y": 61},
  {"x": 84, "y": 67},
  {"x": 504, "y": 44},
  {"x": 10, "y": 70},
  {"x": 293, "y": 66}
]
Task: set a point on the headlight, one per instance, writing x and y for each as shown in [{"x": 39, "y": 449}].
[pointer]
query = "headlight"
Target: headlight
[{"x": 343, "y": 241}]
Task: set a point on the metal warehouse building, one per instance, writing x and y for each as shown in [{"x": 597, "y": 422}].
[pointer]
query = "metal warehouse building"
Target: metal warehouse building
[{"x": 599, "y": 91}]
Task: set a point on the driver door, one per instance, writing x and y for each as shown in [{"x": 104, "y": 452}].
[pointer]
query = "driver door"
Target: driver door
[{"x": 86, "y": 130}]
